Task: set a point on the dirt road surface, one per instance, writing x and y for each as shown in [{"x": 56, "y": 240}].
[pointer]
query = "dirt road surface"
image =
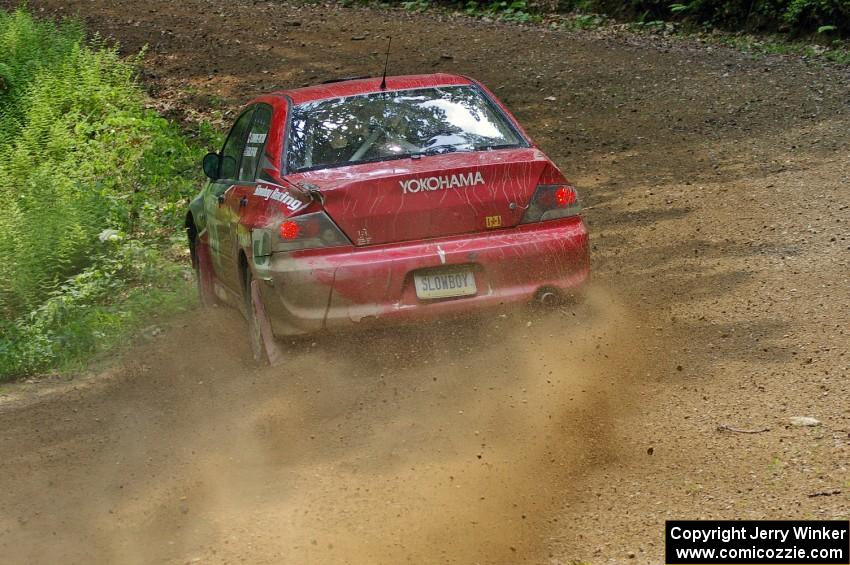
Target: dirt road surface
[{"x": 717, "y": 191}]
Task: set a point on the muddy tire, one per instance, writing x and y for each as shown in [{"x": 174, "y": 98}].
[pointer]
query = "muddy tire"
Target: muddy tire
[
  {"x": 255, "y": 333},
  {"x": 202, "y": 265}
]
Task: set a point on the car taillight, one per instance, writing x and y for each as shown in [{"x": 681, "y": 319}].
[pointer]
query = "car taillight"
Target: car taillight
[
  {"x": 550, "y": 202},
  {"x": 564, "y": 196},
  {"x": 309, "y": 231},
  {"x": 289, "y": 230}
]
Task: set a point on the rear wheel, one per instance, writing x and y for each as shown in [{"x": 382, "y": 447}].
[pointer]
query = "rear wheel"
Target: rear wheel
[
  {"x": 254, "y": 317},
  {"x": 202, "y": 265}
]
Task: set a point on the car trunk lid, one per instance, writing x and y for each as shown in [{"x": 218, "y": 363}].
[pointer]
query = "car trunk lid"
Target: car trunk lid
[{"x": 428, "y": 197}]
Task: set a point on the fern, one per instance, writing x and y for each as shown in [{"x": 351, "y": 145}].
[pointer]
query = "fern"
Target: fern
[{"x": 79, "y": 154}]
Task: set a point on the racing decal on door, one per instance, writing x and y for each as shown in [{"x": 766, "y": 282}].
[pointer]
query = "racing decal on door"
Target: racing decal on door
[
  {"x": 280, "y": 194},
  {"x": 255, "y": 143}
]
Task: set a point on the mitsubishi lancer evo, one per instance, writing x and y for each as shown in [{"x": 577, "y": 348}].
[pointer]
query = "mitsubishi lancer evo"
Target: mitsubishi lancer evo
[{"x": 381, "y": 200}]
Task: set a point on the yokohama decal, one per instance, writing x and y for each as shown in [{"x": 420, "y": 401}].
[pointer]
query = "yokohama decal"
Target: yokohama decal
[{"x": 441, "y": 183}]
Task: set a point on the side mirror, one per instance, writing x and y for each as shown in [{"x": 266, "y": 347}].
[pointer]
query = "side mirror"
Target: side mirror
[
  {"x": 227, "y": 167},
  {"x": 211, "y": 165}
]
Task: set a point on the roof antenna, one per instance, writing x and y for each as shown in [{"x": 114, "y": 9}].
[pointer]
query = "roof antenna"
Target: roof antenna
[{"x": 386, "y": 63}]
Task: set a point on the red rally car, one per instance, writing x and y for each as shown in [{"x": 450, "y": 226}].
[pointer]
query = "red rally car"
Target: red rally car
[{"x": 361, "y": 200}]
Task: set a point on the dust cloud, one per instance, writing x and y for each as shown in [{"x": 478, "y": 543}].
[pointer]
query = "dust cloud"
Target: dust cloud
[{"x": 446, "y": 442}]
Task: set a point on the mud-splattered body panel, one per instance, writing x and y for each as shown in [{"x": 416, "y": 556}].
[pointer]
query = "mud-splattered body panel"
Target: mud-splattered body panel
[{"x": 322, "y": 290}]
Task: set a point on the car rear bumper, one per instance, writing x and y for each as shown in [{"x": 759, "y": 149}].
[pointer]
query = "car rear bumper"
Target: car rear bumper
[{"x": 313, "y": 290}]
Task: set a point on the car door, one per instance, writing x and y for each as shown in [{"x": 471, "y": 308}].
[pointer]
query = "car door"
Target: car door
[
  {"x": 236, "y": 198},
  {"x": 221, "y": 218},
  {"x": 231, "y": 203}
]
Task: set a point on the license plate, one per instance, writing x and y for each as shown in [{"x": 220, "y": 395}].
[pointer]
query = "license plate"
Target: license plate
[{"x": 444, "y": 283}]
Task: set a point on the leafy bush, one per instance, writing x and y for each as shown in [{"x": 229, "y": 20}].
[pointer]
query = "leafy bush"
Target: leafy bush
[
  {"x": 508, "y": 10},
  {"x": 91, "y": 183},
  {"x": 515, "y": 10},
  {"x": 822, "y": 17},
  {"x": 95, "y": 309},
  {"x": 796, "y": 16}
]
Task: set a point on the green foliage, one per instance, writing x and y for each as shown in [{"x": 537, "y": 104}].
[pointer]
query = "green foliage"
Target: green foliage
[
  {"x": 87, "y": 174},
  {"x": 514, "y": 10},
  {"x": 95, "y": 309},
  {"x": 416, "y": 5},
  {"x": 507, "y": 10},
  {"x": 587, "y": 21},
  {"x": 838, "y": 53},
  {"x": 798, "y": 17}
]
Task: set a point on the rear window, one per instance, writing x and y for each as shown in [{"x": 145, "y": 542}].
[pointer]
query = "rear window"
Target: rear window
[{"x": 396, "y": 124}]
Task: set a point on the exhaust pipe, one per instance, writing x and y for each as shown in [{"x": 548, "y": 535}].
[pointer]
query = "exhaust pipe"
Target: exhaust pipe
[{"x": 548, "y": 298}]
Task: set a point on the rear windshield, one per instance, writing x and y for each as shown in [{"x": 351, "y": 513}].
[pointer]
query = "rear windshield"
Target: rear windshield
[{"x": 392, "y": 125}]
